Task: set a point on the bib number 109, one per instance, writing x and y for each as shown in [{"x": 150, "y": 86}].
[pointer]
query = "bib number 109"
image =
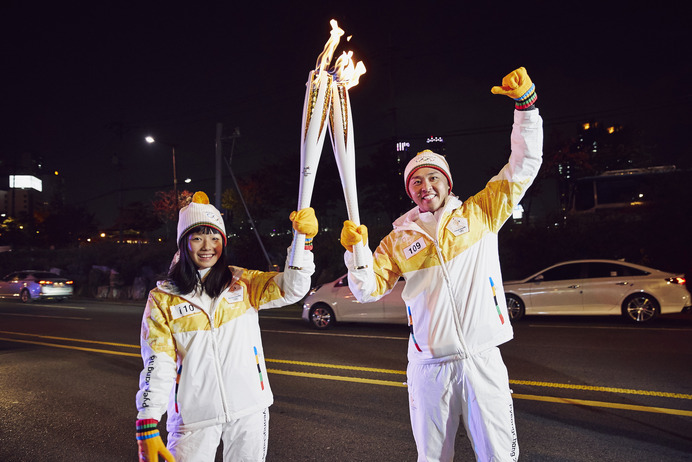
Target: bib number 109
[{"x": 414, "y": 248}]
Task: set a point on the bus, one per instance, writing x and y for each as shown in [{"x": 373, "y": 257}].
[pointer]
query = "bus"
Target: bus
[{"x": 628, "y": 190}]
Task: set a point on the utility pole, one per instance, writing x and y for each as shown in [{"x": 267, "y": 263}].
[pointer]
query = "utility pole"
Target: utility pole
[
  {"x": 219, "y": 155},
  {"x": 233, "y": 137}
]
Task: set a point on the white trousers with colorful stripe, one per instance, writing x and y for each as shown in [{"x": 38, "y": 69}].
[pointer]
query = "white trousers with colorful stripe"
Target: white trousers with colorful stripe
[
  {"x": 244, "y": 440},
  {"x": 475, "y": 389}
]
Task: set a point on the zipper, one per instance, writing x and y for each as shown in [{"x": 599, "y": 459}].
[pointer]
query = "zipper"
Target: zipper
[
  {"x": 217, "y": 362},
  {"x": 445, "y": 273},
  {"x": 453, "y": 302}
]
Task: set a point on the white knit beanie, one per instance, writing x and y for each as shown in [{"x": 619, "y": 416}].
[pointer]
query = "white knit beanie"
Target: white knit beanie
[
  {"x": 428, "y": 159},
  {"x": 200, "y": 212}
]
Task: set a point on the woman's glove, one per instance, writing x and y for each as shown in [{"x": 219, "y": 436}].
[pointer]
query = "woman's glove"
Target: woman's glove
[
  {"x": 149, "y": 442},
  {"x": 518, "y": 86},
  {"x": 352, "y": 235},
  {"x": 305, "y": 222}
]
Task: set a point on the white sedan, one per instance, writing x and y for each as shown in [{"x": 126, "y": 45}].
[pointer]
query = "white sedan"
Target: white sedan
[
  {"x": 598, "y": 287},
  {"x": 331, "y": 302},
  {"x": 31, "y": 285}
]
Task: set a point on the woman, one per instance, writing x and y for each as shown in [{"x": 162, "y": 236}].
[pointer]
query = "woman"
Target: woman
[{"x": 202, "y": 348}]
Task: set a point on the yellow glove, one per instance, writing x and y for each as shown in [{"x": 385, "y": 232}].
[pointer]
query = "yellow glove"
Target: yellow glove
[
  {"x": 305, "y": 222},
  {"x": 352, "y": 234},
  {"x": 518, "y": 86},
  {"x": 150, "y": 449},
  {"x": 149, "y": 442}
]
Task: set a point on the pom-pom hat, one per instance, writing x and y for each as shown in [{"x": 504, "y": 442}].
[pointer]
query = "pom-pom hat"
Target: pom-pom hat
[
  {"x": 428, "y": 159},
  {"x": 200, "y": 212}
]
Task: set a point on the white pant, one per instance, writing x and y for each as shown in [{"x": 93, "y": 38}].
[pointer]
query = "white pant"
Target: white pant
[
  {"x": 244, "y": 440},
  {"x": 475, "y": 388}
]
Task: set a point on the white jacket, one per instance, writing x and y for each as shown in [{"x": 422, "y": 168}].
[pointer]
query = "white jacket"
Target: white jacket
[
  {"x": 454, "y": 290},
  {"x": 203, "y": 359}
]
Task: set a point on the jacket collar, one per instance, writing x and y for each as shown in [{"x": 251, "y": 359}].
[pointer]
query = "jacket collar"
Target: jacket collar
[{"x": 408, "y": 220}]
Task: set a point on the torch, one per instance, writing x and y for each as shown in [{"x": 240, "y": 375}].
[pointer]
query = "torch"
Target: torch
[
  {"x": 312, "y": 132},
  {"x": 341, "y": 133}
]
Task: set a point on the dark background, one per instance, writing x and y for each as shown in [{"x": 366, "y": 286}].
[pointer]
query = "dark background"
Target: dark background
[{"x": 86, "y": 81}]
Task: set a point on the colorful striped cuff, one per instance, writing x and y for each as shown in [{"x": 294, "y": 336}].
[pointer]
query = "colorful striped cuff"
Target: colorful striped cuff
[
  {"x": 529, "y": 92},
  {"x": 147, "y": 435},
  {"x": 146, "y": 428},
  {"x": 527, "y": 102}
]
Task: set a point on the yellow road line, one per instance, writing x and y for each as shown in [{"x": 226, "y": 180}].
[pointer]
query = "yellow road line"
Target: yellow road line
[
  {"x": 589, "y": 403},
  {"x": 575, "y": 402},
  {"x": 68, "y": 347},
  {"x": 340, "y": 378},
  {"x": 331, "y": 334},
  {"x": 578, "y": 402},
  {"x": 67, "y": 339},
  {"x": 334, "y": 366},
  {"x": 602, "y": 389}
]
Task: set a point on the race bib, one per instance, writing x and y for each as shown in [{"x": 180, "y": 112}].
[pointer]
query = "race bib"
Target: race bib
[
  {"x": 414, "y": 248},
  {"x": 235, "y": 295},
  {"x": 184, "y": 309},
  {"x": 458, "y": 225}
]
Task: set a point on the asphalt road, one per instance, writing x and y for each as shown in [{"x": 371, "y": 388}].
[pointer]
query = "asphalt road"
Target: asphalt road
[{"x": 585, "y": 389}]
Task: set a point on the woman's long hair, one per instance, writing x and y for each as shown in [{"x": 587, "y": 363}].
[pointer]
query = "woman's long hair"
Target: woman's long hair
[{"x": 184, "y": 272}]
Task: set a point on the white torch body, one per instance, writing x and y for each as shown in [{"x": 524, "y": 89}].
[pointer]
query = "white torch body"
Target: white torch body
[
  {"x": 341, "y": 133},
  {"x": 313, "y": 130}
]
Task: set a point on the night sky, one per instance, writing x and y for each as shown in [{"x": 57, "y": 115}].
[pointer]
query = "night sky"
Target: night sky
[{"x": 85, "y": 82}]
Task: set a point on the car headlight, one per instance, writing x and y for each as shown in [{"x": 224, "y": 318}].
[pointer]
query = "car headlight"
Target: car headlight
[{"x": 314, "y": 289}]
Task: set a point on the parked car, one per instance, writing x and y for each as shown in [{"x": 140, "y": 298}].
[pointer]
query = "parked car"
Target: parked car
[
  {"x": 598, "y": 287},
  {"x": 331, "y": 302},
  {"x": 31, "y": 285}
]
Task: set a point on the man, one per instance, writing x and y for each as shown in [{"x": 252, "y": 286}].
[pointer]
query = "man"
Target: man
[{"x": 447, "y": 251}]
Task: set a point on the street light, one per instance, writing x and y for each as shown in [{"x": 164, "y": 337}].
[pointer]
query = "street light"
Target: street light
[{"x": 150, "y": 139}]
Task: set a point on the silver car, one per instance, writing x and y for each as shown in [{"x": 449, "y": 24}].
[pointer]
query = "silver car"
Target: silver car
[
  {"x": 598, "y": 287},
  {"x": 331, "y": 302},
  {"x": 31, "y": 285}
]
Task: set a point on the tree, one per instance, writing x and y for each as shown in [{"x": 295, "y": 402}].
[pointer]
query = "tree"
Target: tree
[
  {"x": 139, "y": 217},
  {"x": 166, "y": 206},
  {"x": 67, "y": 226}
]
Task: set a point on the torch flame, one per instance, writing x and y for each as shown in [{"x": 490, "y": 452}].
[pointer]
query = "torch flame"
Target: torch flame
[
  {"x": 345, "y": 72},
  {"x": 325, "y": 58}
]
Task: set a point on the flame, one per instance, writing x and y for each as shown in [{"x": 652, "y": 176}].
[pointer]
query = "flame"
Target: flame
[
  {"x": 325, "y": 58},
  {"x": 345, "y": 72}
]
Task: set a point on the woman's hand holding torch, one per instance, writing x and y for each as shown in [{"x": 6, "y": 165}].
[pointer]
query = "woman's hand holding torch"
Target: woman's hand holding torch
[{"x": 316, "y": 108}]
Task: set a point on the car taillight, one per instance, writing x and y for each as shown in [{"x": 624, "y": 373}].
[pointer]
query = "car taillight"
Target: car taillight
[
  {"x": 45, "y": 283},
  {"x": 677, "y": 280},
  {"x": 69, "y": 282}
]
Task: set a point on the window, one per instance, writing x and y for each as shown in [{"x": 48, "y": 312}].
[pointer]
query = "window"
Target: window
[
  {"x": 559, "y": 273},
  {"x": 45, "y": 275},
  {"x": 612, "y": 270}
]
